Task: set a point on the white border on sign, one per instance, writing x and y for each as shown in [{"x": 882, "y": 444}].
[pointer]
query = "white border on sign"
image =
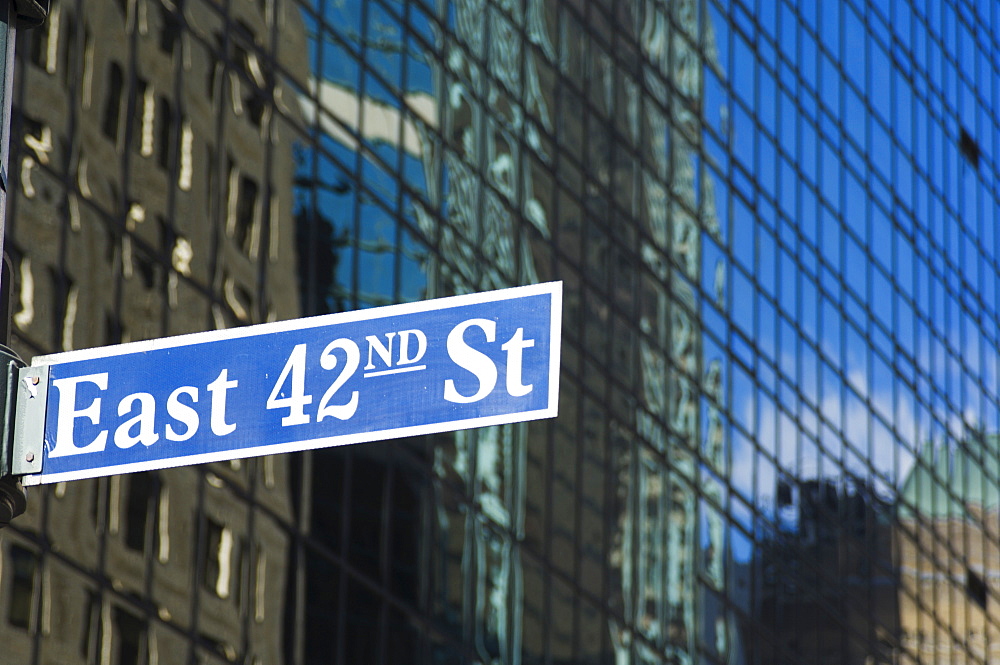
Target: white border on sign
[
  {"x": 554, "y": 289},
  {"x": 555, "y": 345}
]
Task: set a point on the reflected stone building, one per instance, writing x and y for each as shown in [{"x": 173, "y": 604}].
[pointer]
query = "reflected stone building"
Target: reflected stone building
[
  {"x": 487, "y": 154},
  {"x": 153, "y": 197},
  {"x": 949, "y": 553}
]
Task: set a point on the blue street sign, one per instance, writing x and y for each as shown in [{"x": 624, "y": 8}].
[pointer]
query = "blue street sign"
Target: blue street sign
[{"x": 404, "y": 370}]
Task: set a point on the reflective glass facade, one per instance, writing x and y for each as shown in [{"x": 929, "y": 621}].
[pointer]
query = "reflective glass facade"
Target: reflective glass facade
[{"x": 780, "y": 402}]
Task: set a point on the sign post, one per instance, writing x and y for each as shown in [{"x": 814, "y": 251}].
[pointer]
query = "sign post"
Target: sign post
[
  {"x": 13, "y": 14},
  {"x": 403, "y": 370}
]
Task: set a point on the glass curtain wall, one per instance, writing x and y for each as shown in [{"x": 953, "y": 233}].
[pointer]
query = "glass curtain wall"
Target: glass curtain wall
[{"x": 779, "y": 411}]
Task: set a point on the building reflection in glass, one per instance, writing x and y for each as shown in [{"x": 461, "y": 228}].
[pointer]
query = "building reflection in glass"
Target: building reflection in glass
[
  {"x": 779, "y": 327},
  {"x": 486, "y": 151},
  {"x": 946, "y": 543}
]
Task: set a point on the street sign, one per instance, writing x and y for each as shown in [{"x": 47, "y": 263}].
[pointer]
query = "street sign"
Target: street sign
[{"x": 404, "y": 370}]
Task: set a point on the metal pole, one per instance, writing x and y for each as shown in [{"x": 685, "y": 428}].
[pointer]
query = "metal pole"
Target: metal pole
[
  {"x": 12, "y": 498},
  {"x": 8, "y": 37},
  {"x": 15, "y": 14},
  {"x": 26, "y": 14}
]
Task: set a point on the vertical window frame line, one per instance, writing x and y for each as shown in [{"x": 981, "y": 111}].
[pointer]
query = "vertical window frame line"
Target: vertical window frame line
[
  {"x": 397, "y": 262},
  {"x": 356, "y": 172},
  {"x": 180, "y": 123}
]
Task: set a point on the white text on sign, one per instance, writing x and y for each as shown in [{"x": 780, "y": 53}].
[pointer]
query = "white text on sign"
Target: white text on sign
[{"x": 140, "y": 422}]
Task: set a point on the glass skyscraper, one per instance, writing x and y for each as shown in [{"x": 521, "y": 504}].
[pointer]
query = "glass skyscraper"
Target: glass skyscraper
[{"x": 780, "y": 399}]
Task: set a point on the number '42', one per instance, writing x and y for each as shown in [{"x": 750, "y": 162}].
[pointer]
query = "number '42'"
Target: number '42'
[{"x": 294, "y": 375}]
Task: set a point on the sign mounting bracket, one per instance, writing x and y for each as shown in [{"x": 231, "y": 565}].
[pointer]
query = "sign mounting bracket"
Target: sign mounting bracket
[{"x": 29, "y": 420}]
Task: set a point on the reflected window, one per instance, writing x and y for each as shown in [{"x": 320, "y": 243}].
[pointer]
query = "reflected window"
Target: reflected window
[
  {"x": 170, "y": 32},
  {"x": 24, "y": 574},
  {"x": 217, "y": 564},
  {"x": 244, "y": 231},
  {"x": 140, "y": 510},
  {"x": 113, "y": 101},
  {"x": 969, "y": 148},
  {"x": 248, "y": 91},
  {"x": 129, "y": 637},
  {"x": 113, "y": 334},
  {"x": 64, "y": 304},
  {"x": 38, "y": 51},
  {"x": 148, "y": 267},
  {"x": 166, "y": 136},
  {"x": 975, "y": 587}
]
